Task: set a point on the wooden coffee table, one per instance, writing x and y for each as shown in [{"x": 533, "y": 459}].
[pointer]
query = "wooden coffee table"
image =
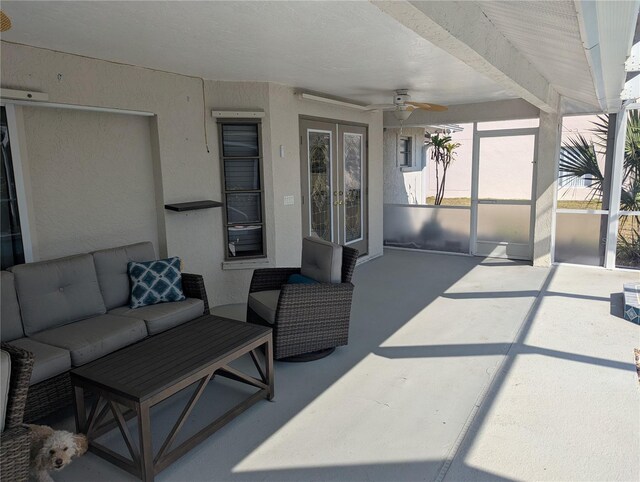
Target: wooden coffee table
[{"x": 127, "y": 383}]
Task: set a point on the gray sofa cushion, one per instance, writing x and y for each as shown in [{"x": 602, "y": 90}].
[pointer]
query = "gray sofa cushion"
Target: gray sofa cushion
[
  {"x": 111, "y": 267},
  {"x": 264, "y": 303},
  {"x": 49, "y": 360},
  {"x": 57, "y": 292},
  {"x": 163, "y": 316},
  {"x": 11, "y": 323},
  {"x": 95, "y": 337},
  {"x": 321, "y": 260},
  {"x": 5, "y": 380}
]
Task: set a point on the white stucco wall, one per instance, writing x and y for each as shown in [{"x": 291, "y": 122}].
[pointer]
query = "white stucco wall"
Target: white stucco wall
[
  {"x": 103, "y": 189},
  {"x": 185, "y": 171},
  {"x": 286, "y": 108},
  {"x": 401, "y": 185}
]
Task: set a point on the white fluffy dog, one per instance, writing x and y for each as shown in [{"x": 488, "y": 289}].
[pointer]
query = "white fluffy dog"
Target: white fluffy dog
[{"x": 53, "y": 450}]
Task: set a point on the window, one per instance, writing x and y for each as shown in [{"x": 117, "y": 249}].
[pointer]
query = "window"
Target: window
[
  {"x": 11, "y": 233},
  {"x": 404, "y": 152},
  {"x": 567, "y": 178},
  {"x": 241, "y": 159}
]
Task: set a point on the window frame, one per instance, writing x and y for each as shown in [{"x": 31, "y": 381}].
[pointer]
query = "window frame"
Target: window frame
[
  {"x": 260, "y": 158},
  {"x": 407, "y": 153}
]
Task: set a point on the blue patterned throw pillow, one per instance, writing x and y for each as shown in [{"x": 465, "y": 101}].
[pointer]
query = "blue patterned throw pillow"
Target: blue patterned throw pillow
[{"x": 155, "y": 282}]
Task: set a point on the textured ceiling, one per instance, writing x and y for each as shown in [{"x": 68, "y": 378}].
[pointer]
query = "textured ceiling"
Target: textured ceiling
[
  {"x": 548, "y": 35},
  {"x": 348, "y": 49}
]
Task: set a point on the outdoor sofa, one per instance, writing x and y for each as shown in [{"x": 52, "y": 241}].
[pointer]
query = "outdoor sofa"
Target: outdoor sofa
[{"x": 73, "y": 310}]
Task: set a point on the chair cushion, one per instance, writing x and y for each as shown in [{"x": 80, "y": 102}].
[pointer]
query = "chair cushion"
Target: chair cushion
[
  {"x": 57, "y": 292},
  {"x": 10, "y": 320},
  {"x": 155, "y": 282},
  {"x": 95, "y": 337},
  {"x": 49, "y": 360},
  {"x": 5, "y": 381},
  {"x": 163, "y": 316},
  {"x": 264, "y": 303},
  {"x": 111, "y": 268},
  {"x": 298, "y": 279},
  {"x": 321, "y": 260}
]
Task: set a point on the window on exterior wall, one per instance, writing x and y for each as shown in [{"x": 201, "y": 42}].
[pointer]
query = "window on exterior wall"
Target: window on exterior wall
[
  {"x": 404, "y": 151},
  {"x": 241, "y": 159},
  {"x": 568, "y": 178}
]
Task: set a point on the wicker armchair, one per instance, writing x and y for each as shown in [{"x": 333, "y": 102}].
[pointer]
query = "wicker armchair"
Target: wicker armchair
[
  {"x": 15, "y": 440},
  {"x": 311, "y": 320}
]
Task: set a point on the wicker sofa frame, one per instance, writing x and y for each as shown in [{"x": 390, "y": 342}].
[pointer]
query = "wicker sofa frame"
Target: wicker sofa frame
[
  {"x": 15, "y": 440},
  {"x": 309, "y": 317},
  {"x": 50, "y": 395}
]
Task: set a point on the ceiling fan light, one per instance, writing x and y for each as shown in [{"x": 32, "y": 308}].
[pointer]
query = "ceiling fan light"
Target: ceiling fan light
[{"x": 402, "y": 114}]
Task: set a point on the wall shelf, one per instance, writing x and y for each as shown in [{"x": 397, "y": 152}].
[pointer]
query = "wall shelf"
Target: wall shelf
[{"x": 193, "y": 205}]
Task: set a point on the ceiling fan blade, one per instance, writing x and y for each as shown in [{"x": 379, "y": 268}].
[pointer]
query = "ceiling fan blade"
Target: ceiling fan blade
[
  {"x": 381, "y": 107},
  {"x": 425, "y": 106}
]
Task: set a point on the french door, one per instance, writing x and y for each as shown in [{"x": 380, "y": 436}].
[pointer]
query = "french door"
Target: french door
[
  {"x": 502, "y": 207},
  {"x": 334, "y": 182}
]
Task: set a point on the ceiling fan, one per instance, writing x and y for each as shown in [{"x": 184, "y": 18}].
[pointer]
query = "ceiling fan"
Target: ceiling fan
[{"x": 403, "y": 106}]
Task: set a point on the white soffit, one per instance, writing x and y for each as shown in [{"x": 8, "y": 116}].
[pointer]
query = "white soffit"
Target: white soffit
[
  {"x": 547, "y": 33},
  {"x": 348, "y": 49},
  {"x": 608, "y": 30}
]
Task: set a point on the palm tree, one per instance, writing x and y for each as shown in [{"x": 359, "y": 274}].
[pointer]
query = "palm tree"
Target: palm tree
[{"x": 442, "y": 153}]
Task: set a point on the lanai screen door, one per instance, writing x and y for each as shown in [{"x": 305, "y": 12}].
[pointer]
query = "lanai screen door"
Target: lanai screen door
[
  {"x": 334, "y": 191},
  {"x": 502, "y": 207}
]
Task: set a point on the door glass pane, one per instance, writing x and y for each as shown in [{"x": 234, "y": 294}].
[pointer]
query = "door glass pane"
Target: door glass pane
[
  {"x": 244, "y": 208},
  {"x": 12, "y": 248},
  {"x": 241, "y": 174},
  {"x": 353, "y": 186},
  {"x": 320, "y": 183},
  {"x": 240, "y": 140},
  {"x": 506, "y": 167},
  {"x": 504, "y": 223}
]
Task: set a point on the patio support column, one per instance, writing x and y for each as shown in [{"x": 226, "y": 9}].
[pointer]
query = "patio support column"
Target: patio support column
[{"x": 545, "y": 186}]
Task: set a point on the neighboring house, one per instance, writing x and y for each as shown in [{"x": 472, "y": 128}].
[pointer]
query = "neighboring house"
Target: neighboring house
[{"x": 416, "y": 182}]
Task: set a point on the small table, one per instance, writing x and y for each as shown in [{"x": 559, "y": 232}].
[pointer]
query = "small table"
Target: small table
[{"x": 146, "y": 373}]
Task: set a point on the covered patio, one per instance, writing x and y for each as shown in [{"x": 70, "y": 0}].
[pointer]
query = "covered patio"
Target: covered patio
[
  {"x": 486, "y": 337},
  {"x": 458, "y": 368}
]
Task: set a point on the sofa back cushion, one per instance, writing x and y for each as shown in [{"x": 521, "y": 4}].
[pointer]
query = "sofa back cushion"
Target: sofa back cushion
[
  {"x": 11, "y": 322},
  {"x": 321, "y": 260},
  {"x": 56, "y": 292},
  {"x": 111, "y": 267}
]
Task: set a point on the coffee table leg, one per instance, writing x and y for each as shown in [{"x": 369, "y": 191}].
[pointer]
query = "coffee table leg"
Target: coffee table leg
[
  {"x": 146, "y": 448},
  {"x": 79, "y": 408},
  {"x": 268, "y": 352}
]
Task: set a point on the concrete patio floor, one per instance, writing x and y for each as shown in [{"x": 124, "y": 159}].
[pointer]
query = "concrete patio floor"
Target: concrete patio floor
[{"x": 458, "y": 368}]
